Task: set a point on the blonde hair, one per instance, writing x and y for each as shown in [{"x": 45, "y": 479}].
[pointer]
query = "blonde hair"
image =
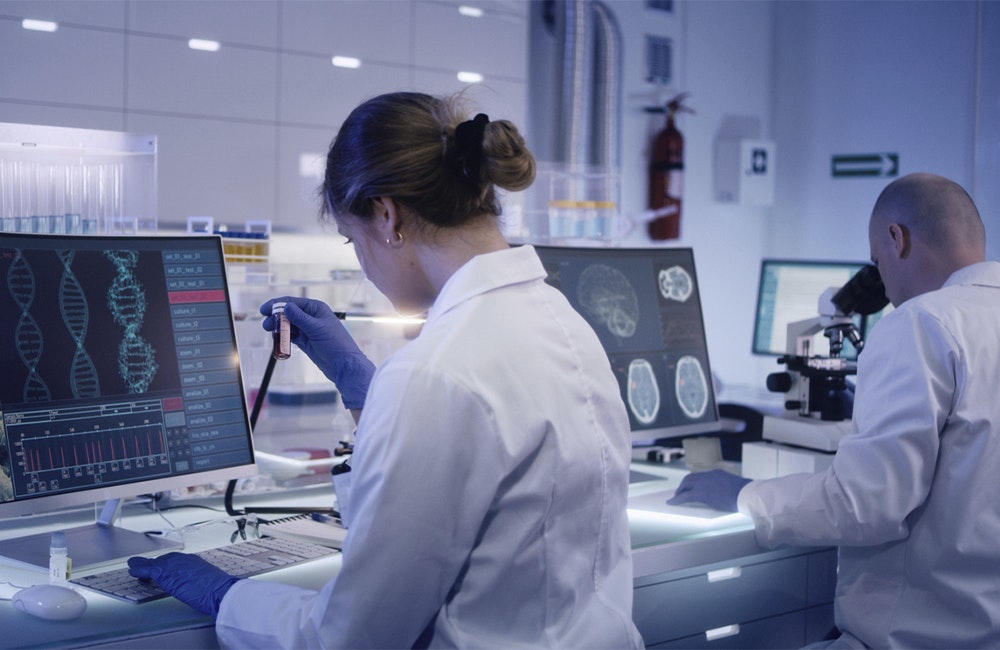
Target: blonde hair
[{"x": 404, "y": 146}]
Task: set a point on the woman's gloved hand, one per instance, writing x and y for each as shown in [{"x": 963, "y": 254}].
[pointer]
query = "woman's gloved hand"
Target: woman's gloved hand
[
  {"x": 186, "y": 577},
  {"x": 325, "y": 340},
  {"x": 717, "y": 489}
]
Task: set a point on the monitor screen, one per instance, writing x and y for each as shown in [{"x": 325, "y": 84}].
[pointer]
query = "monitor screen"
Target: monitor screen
[
  {"x": 789, "y": 291},
  {"x": 120, "y": 370},
  {"x": 645, "y": 306}
]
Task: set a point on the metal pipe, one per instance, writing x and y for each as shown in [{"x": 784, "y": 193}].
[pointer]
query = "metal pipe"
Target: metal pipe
[
  {"x": 574, "y": 136},
  {"x": 606, "y": 91}
]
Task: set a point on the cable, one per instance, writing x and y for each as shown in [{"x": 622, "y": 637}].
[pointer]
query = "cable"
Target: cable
[
  {"x": 258, "y": 403},
  {"x": 231, "y": 486}
]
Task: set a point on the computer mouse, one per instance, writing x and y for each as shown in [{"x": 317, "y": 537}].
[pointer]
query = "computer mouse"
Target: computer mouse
[{"x": 51, "y": 602}]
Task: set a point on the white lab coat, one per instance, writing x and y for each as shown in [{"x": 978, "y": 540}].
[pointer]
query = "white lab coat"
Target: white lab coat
[
  {"x": 913, "y": 495},
  {"x": 489, "y": 488}
]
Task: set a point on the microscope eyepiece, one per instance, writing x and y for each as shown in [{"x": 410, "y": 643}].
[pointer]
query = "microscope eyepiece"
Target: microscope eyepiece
[{"x": 863, "y": 294}]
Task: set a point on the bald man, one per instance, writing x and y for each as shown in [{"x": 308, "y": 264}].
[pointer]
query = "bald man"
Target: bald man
[{"x": 913, "y": 495}]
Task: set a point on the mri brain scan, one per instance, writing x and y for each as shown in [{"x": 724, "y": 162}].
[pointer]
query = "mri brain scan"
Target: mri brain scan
[
  {"x": 643, "y": 392},
  {"x": 607, "y": 297},
  {"x": 691, "y": 387},
  {"x": 675, "y": 284}
]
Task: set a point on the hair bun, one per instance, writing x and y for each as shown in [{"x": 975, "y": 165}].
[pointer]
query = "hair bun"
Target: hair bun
[{"x": 469, "y": 146}]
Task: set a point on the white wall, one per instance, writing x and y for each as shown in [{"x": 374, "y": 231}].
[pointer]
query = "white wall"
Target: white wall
[
  {"x": 826, "y": 78},
  {"x": 866, "y": 77},
  {"x": 819, "y": 77},
  {"x": 727, "y": 68},
  {"x": 862, "y": 77},
  {"x": 234, "y": 125}
]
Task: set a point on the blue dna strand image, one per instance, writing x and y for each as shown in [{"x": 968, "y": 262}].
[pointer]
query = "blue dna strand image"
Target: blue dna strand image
[
  {"x": 28, "y": 339},
  {"x": 83, "y": 324},
  {"x": 75, "y": 313},
  {"x": 127, "y": 304}
]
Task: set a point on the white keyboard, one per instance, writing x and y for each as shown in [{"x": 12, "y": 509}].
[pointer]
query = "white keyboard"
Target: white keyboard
[{"x": 243, "y": 560}]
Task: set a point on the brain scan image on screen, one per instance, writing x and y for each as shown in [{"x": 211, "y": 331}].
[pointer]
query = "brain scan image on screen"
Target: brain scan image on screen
[
  {"x": 608, "y": 298},
  {"x": 643, "y": 391},
  {"x": 644, "y": 305},
  {"x": 675, "y": 284},
  {"x": 691, "y": 387}
]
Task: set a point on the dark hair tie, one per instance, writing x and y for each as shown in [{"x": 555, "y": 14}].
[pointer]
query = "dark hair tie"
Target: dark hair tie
[{"x": 469, "y": 145}]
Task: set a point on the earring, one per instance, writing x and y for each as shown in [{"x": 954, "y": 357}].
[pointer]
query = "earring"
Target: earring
[{"x": 398, "y": 243}]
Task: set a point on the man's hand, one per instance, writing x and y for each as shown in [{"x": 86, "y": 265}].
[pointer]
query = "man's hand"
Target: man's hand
[{"x": 717, "y": 489}]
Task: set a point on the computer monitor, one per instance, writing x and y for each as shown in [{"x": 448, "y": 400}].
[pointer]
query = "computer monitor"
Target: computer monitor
[
  {"x": 120, "y": 377},
  {"x": 645, "y": 306},
  {"x": 789, "y": 291}
]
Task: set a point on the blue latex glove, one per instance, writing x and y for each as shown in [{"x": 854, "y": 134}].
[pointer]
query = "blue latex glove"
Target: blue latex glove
[
  {"x": 325, "y": 340},
  {"x": 186, "y": 577},
  {"x": 716, "y": 488}
]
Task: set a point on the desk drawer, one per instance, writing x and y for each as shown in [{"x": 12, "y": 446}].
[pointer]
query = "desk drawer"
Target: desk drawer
[
  {"x": 674, "y": 609},
  {"x": 784, "y": 631}
]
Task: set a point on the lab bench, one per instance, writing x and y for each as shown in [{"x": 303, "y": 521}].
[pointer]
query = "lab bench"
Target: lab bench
[{"x": 701, "y": 581}]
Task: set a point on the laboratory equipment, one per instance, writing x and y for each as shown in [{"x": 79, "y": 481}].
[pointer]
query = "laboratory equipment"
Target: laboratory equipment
[
  {"x": 121, "y": 378},
  {"x": 644, "y": 304},
  {"x": 787, "y": 292},
  {"x": 62, "y": 180},
  {"x": 819, "y": 400},
  {"x": 59, "y": 562},
  {"x": 282, "y": 334},
  {"x": 570, "y": 202}
]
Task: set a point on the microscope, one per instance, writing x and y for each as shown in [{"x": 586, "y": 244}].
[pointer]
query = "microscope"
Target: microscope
[{"x": 819, "y": 400}]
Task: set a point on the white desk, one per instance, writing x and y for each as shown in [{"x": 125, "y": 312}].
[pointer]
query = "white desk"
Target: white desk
[{"x": 674, "y": 593}]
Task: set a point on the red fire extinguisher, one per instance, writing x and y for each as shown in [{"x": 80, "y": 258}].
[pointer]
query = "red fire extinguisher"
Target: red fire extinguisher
[{"x": 666, "y": 175}]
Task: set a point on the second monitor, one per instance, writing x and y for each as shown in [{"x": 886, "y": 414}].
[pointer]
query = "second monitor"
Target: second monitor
[
  {"x": 645, "y": 306},
  {"x": 789, "y": 291}
]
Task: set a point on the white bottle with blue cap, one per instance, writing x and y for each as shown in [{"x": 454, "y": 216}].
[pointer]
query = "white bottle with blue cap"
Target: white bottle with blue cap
[{"x": 59, "y": 562}]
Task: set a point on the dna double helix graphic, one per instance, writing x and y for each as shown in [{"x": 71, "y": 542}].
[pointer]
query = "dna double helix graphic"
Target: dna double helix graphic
[
  {"x": 27, "y": 334},
  {"x": 76, "y": 316},
  {"x": 127, "y": 304}
]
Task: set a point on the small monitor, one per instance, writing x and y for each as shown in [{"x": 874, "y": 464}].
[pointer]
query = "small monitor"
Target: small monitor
[
  {"x": 120, "y": 376},
  {"x": 645, "y": 306},
  {"x": 789, "y": 291}
]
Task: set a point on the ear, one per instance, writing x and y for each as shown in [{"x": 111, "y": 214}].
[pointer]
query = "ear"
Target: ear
[
  {"x": 386, "y": 216},
  {"x": 899, "y": 235}
]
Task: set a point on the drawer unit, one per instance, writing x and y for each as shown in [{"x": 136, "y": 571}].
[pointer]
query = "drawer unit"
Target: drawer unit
[
  {"x": 791, "y": 631},
  {"x": 766, "y": 594},
  {"x": 785, "y": 631}
]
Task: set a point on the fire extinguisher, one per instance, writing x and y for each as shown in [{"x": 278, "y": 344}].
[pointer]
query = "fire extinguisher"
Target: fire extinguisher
[{"x": 666, "y": 175}]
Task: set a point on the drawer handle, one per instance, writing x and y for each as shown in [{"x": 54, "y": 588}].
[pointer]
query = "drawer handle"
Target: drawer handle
[
  {"x": 725, "y": 574},
  {"x": 722, "y": 632}
]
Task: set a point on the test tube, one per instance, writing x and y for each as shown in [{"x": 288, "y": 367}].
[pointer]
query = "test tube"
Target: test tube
[{"x": 282, "y": 332}]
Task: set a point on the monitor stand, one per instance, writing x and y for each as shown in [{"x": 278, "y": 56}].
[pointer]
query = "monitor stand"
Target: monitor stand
[{"x": 92, "y": 545}]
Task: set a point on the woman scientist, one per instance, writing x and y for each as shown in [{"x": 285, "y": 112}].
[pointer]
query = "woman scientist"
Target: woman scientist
[{"x": 490, "y": 471}]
